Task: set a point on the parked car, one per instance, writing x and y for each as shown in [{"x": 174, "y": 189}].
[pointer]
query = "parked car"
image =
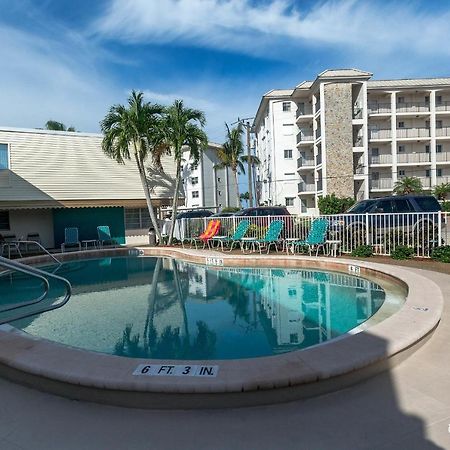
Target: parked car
[
  {"x": 194, "y": 213},
  {"x": 223, "y": 214},
  {"x": 259, "y": 211}
]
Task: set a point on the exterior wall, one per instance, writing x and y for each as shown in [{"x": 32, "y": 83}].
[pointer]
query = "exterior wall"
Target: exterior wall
[
  {"x": 339, "y": 139},
  {"x": 87, "y": 220},
  {"x": 25, "y": 221}
]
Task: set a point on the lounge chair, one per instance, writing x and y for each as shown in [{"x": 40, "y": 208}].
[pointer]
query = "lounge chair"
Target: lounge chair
[
  {"x": 210, "y": 231},
  {"x": 8, "y": 242},
  {"x": 316, "y": 237},
  {"x": 272, "y": 237},
  {"x": 70, "y": 239},
  {"x": 104, "y": 236},
  {"x": 239, "y": 233}
]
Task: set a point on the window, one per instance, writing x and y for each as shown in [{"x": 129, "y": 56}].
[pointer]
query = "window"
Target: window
[
  {"x": 4, "y": 220},
  {"x": 401, "y": 206},
  {"x": 292, "y": 292},
  {"x": 401, "y": 173},
  {"x": 194, "y": 194},
  {"x": 427, "y": 99},
  {"x": 439, "y": 172},
  {"x": 293, "y": 338},
  {"x": 137, "y": 218},
  {"x": 439, "y": 148},
  {"x": 401, "y": 124},
  {"x": 375, "y": 151},
  {"x": 4, "y": 156},
  {"x": 438, "y": 99},
  {"x": 401, "y": 148},
  {"x": 400, "y": 99},
  {"x": 428, "y": 173},
  {"x": 289, "y": 201},
  {"x": 384, "y": 206},
  {"x": 288, "y": 154},
  {"x": 194, "y": 180},
  {"x": 286, "y": 106},
  {"x": 219, "y": 179},
  {"x": 303, "y": 207},
  {"x": 438, "y": 123},
  {"x": 427, "y": 149}
]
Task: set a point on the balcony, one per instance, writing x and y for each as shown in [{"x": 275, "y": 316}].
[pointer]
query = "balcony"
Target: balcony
[
  {"x": 359, "y": 142},
  {"x": 443, "y": 106},
  {"x": 306, "y": 187},
  {"x": 318, "y": 133},
  {"x": 445, "y": 179},
  {"x": 319, "y": 185},
  {"x": 406, "y": 133},
  {"x": 443, "y": 157},
  {"x": 304, "y": 137},
  {"x": 443, "y": 132},
  {"x": 381, "y": 159},
  {"x": 357, "y": 112},
  {"x": 384, "y": 133},
  {"x": 303, "y": 163},
  {"x": 379, "y": 108},
  {"x": 382, "y": 183},
  {"x": 319, "y": 158},
  {"x": 413, "y": 107},
  {"x": 303, "y": 111},
  {"x": 413, "y": 158}
]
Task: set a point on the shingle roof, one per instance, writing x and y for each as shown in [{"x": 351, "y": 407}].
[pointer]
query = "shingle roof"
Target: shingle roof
[
  {"x": 279, "y": 93},
  {"x": 413, "y": 82}
]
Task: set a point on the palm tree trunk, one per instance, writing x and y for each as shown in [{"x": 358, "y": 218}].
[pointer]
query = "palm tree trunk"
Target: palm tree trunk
[
  {"x": 176, "y": 195},
  {"x": 148, "y": 198},
  {"x": 238, "y": 203}
]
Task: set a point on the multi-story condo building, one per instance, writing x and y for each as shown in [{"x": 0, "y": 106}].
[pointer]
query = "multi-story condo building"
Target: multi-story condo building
[
  {"x": 354, "y": 137},
  {"x": 205, "y": 184}
]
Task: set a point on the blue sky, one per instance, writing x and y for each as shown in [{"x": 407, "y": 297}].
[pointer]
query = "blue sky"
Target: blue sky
[{"x": 69, "y": 61}]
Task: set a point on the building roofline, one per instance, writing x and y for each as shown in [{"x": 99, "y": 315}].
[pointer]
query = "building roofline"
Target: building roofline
[{"x": 49, "y": 132}]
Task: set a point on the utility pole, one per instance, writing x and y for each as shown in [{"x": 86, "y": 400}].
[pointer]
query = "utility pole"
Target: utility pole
[{"x": 246, "y": 124}]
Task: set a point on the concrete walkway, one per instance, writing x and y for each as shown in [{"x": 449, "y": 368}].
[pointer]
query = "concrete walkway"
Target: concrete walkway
[{"x": 406, "y": 408}]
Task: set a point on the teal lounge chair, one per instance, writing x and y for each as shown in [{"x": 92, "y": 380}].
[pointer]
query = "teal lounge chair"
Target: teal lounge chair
[
  {"x": 104, "y": 236},
  {"x": 70, "y": 239},
  {"x": 239, "y": 233},
  {"x": 272, "y": 237},
  {"x": 316, "y": 237}
]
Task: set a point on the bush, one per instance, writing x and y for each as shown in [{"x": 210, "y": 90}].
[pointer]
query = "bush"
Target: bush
[
  {"x": 230, "y": 209},
  {"x": 441, "y": 254},
  {"x": 445, "y": 206},
  {"x": 402, "y": 252},
  {"x": 330, "y": 204},
  {"x": 363, "y": 251}
]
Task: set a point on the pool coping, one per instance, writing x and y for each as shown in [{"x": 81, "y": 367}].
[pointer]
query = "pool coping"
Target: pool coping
[{"x": 91, "y": 376}]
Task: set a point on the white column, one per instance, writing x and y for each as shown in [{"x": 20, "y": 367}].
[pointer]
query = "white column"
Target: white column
[
  {"x": 365, "y": 140},
  {"x": 323, "y": 140},
  {"x": 394, "y": 136},
  {"x": 433, "y": 138}
]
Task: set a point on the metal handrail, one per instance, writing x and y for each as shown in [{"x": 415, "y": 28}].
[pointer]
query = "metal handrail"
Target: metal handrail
[
  {"x": 41, "y": 247},
  {"x": 42, "y": 275}
]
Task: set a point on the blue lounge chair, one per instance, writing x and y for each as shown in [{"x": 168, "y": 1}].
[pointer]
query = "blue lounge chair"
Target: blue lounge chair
[
  {"x": 272, "y": 237},
  {"x": 316, "y": 237},
  {"x": 104, "y": 236},
  {"x": 70, "y": 239},
  {"x": 239, "y": 233}
]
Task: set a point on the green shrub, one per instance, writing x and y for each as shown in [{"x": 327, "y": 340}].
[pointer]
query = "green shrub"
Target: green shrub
[
  {"x": 230, "y": 209},
  {"x": 363, "y": 251},
  {"x": 256, "y": 231},
  {"x": 402, "y": 252},
  {"x": 441, "y": 254},
  {"x": 330, "y": 204},
  {"x": 445, "y": 206}
]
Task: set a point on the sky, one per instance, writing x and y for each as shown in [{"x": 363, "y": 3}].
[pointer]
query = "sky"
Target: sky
[{"x": 71, "y": 60}]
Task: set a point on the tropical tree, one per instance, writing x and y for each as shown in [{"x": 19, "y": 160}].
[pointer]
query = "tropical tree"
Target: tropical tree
[
  {"x": 134, "y": 131},
  {"x": 408, "y": 185},
  {"x": 182, "y": 130},
  {"x": 441, "y": 191},
  {"x": 231, "y": 156},
  {"x": 57, "y": 126}
]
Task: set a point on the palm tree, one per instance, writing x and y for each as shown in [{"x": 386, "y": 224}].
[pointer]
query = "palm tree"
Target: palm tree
[
  {"x": 231, "y": 156},
  {"x": 57, "y": 126},
  {"x": 136, "y": 127},
  {"x": 182, "y": 129},
  {"x": 408, "y": 185},
  {"x": 441, "y": 191}
]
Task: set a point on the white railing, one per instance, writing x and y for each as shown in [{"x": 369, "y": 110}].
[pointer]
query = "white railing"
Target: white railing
[
  {"x": 413, "y": 107},
  {"x": 384, "y": 158},
  {"x": 382, "y": 231},
  {"x": 443, "y": 132},
  {"x": 443, "y": 156},
  {"x": 413, "y": 157},
  {"x": 413, "y": 132},
  {"x": 381, "y": 183},
  {"x": 384, "y": 133},
  {"x": 379, "y": 108},
  {"x": 443, "y": 106}
]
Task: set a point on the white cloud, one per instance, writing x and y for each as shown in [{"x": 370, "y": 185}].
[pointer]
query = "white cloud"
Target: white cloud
[{"x": 240, "y": 25}]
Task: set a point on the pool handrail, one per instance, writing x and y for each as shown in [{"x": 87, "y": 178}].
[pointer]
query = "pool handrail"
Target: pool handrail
[{"x": 42, "y": 275}]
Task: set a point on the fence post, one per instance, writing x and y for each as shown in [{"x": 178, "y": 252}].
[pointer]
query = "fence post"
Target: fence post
[
  {"x": 439, "y": 229},
  {"x": 367, "y": 229}
]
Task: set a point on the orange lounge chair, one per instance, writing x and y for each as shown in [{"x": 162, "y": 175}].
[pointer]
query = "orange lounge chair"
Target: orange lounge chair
[{"x": 211, "y": 230}]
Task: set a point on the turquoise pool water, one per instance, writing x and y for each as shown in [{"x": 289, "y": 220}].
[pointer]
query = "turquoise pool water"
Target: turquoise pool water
[{"x": 168, "y": 309}]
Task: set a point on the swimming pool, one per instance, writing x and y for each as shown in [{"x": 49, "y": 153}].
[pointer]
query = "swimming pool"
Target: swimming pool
[{"x": 159, "y": 307}]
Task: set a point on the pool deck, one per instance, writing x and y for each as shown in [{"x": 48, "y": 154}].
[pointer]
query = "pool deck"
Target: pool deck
[{"x": 406, "y": 407}]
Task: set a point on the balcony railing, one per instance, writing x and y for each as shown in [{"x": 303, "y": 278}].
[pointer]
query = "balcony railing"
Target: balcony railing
[
  {"x": 304, "y": 137},
  {"x": 413, "y": 157},
  {"x": 384, "y": 133},
  {"x": 443, "y": 157},
  {"x": 319, "y": 158},
  {"x": 382, "y": 183},
  {"x": 445, "y": 131},
  {"x": 319, "y": 185},
  {"x": 413, "y": 107},
  {"x": 305, "y": 162},
  {"x": 381, "y": 159},
  {"x": 357, "y": 112},
  {"x": 445, "y": 179},
  {"x": 306, "y": 187},
  {"x": 379, "y": 108},
  {"x": 303, "y": 111},
  {"x": 413, "y": 132},
  {"x": 359, "y": 169},
  {"x": 318, "y": 133},
  {"x": 443, "y": 106},
  {"x": 359, "y": 142}
]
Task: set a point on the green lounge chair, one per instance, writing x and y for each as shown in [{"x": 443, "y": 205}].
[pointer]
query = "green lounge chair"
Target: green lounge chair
[
  {"x": 272, "y": 237},
  {"x": 104, "y": 236},
  {"x": 316, "y": 237},
  {"x": 70, "y": 239},
  {"x": 239, "y": 233}
]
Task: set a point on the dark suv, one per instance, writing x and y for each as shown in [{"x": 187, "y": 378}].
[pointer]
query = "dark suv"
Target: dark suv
[{"x": 264, "y": 211}]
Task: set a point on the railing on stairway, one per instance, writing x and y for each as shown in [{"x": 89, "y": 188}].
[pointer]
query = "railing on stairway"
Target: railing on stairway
[
  {"x": 44, "y": 277},
  {"x": 26, "y": 242}
]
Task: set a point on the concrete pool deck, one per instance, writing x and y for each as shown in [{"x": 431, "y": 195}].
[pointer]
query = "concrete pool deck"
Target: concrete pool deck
[{"x": 405, "y": 407}]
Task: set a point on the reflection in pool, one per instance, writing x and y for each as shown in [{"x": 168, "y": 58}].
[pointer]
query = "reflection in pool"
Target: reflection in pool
[{"x": 168, "y": 309}]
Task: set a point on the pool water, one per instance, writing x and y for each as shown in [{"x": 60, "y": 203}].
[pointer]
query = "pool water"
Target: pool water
[{"x": 164, "y": 308}]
